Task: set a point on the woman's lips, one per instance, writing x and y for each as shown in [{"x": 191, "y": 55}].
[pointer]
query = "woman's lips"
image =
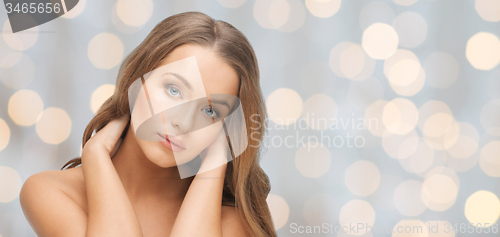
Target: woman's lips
[{"x": 170, "y": 145}]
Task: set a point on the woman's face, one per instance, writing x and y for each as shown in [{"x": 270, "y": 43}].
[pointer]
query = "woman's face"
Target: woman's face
[{"x": 173, "y": 103}]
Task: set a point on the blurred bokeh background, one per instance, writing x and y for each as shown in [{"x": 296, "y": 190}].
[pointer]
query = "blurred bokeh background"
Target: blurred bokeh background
[{"x": 385, "y": 113}]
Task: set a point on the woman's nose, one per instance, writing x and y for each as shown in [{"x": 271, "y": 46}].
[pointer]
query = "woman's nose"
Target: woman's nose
[{"x": 182, "y": 118}]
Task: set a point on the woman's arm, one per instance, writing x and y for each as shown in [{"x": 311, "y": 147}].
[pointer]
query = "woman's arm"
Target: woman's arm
[
  {"x": 48, "y": 209},
  {"x": 53, "y": 213},
  {"x": 110, "y": 212},
  {"x": 201, "y": 210}
]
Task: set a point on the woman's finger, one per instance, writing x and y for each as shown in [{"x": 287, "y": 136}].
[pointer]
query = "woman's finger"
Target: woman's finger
[{"x": 110, "y": 133}]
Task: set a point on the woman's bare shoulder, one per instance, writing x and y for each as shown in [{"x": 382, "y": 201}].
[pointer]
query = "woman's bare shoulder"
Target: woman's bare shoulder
[
  {"x": 69, "y": 182},
  {"x": 54, "y": 195},
  {"x": 61, "y": 179}
]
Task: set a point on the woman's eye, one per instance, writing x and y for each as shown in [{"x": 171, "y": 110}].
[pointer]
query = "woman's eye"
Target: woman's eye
[
  {"x": 211, "y": 112},
  {"x": 172, "y": 90}
]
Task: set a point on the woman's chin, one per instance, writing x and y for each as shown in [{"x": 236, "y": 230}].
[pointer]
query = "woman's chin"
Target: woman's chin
[
  {"x": 167, "y": 159},
  {"x": 163, "y": 157}
]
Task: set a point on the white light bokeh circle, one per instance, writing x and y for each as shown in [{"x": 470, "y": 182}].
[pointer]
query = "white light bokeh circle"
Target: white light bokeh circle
[
  {"x": 279, "y": 209},
  {"x": 420, "y": 160},
  {"x": 24, "y": 107},
  {"x": 105, "y": 51},
  {"x": 323, "y": 8},
  {"x": 271, "y": 14},
  {"x": 279, "y": 13},
  {"x": 411, "y": 28},
  {"x": 482, "y": 207},
  {"x": 352, "y": 61},
  {"x": 53, "y": 125},
  {"x": 284, "y": 106},
  {"x": 20, "y": 41},
  {"x": 354, "y": 212},
  {"x": 380, "y": 40},
  {"x": 373, "y": 118},
  {"x": 467, "y": 143},
  {"x": 407, "y": 198},
  {"x": 441, "y": 131},
  {"x": 349, "y": 60},
  {"x": 490, "y": 117},
  {"x": 313, "y": 160},
  {"x": 444, "y": 171},
  {"x": 319, "y": 112},
  {"x": 440, "y": 190},
  {"x": 368, "y": 69},
  {"x": 100, "y": 95},
  {"x": 405, "y": 74},
  {"x": 231, "y": 3},
  {"x": 489, "y": 10},
  {"x": 437, "y": 124},
  {"x": 120, "y": 25},
  {"x": 400, "y": 54},
  {"x": 8, "y": 56},
  {"x": 134, "y": 12},
  {"x": 400, "y": 116},
  {"x": 4, "y": 134},
  {"x": 483, "y": 51},
  {"x": 413, "y": 88},
  {"x": 490, "y": 158},
  {"x": 430, "y": 108},
  {"x": 335, "y": 57},
  {"x": 441, "y": 70},
  {"x": 400, "y": 146},
  {"x": 298, "y": 15},
  {"x": 10, "y": 184},
  {"x": 9, "y": 59},
  {"x": 362, "y": 178},
  {"x": 405, "y": 2}
]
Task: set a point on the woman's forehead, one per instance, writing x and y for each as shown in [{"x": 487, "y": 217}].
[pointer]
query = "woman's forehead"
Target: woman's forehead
[{"x": 217, "y": 76}]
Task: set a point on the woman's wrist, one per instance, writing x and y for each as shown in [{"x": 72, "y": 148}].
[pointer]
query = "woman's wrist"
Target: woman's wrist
[{"x": 214, "y": 173}]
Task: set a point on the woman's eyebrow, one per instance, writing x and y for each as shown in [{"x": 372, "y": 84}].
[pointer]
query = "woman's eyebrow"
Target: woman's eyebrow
[
  {"x": 181, "y": 78},
  {"x": 222, "y": 102}
]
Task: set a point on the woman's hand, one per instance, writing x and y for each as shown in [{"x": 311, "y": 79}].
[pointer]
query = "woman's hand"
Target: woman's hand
[
  {"x": 110, "y": 212},
  {"x": 215, "y": 155},
  {"x": 105, "y": 143},
  {"x": 200, "y": 212}
]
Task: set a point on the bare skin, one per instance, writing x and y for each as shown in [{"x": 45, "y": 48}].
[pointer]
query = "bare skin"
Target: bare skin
[{"x": 136, "y": 193}]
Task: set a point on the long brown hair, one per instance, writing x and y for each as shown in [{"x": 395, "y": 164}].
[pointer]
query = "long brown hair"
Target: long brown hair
[{"x": 246, "y": 185}]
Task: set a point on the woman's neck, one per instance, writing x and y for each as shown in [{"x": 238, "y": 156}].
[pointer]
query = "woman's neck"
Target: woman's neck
[{"x": 142, "y": 178}]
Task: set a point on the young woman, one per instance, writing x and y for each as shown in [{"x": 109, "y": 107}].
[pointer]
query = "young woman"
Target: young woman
[{"x": 133, "y": 188}]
